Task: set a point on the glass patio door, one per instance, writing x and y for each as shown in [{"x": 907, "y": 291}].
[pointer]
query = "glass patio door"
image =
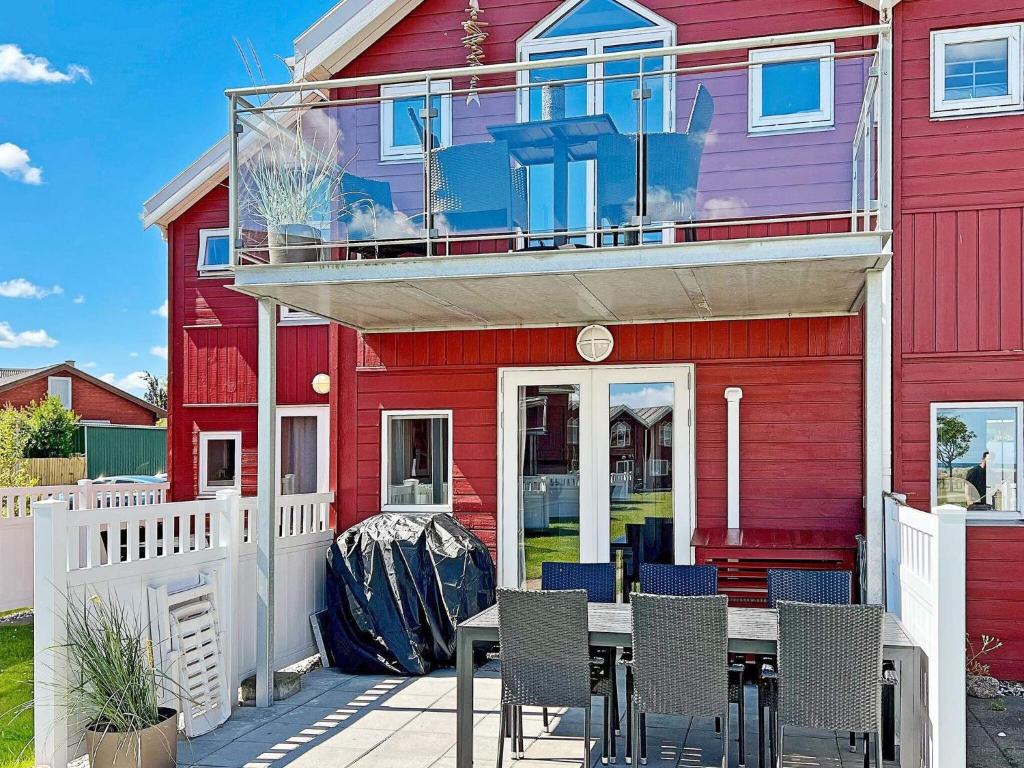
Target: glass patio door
[{"x": 596, "y": 466}]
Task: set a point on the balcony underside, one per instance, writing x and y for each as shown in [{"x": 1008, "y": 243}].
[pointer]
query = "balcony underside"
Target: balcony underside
[{"x": 766, "y": 277}]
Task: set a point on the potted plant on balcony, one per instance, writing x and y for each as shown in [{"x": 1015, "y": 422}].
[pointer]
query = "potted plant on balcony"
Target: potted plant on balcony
[
  {"x": 292, "y": 181},
  {"x": 115, "y": 688}
]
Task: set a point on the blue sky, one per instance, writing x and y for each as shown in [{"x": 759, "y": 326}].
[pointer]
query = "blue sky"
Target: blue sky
[{"x": 132, "y": 93}]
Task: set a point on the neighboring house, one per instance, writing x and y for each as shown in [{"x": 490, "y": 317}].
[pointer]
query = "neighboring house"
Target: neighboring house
[
  {"x": 91, "y": 398},
  {"x": 852, "y": 262}
]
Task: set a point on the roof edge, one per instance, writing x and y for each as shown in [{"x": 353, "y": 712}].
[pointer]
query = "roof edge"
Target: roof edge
[{"x": 65, "y": 367}]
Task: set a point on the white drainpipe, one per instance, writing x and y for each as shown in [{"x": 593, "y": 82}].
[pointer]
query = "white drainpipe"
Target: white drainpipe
[{"x": 733, "y": 396}]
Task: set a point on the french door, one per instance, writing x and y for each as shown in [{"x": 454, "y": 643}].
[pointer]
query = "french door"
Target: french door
[{"x": 594, "y": 462}]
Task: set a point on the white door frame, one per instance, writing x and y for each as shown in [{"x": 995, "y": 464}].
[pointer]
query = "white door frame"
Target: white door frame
[
  {"x": 322, "y": 414},
  {"x": 593, "y": 384}
]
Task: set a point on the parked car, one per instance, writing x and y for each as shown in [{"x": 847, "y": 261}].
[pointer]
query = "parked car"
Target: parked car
[{"x": 119, "y": 479}]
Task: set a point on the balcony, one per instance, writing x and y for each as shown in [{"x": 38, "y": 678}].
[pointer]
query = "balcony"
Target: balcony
[{"x": 645, "y": 182}]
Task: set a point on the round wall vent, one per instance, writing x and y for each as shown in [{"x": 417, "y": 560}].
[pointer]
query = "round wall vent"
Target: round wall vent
[{"x": 594, "y": 343}]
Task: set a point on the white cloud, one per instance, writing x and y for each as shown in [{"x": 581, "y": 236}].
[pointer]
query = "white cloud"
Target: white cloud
[
  {"x": 16, "y": 164},
  {"x": 133, "y": 382},
  {"x": 161, "y": 311},
  {"x": 20, "y": 288},
  {"x": 11, "y": 339},
  {"x": 79, "y": 299},
  {"x": 90, "y": 364},
  {"x": 158, "y": 351},
  {"x": 19, "y": 67},
  {"x": 133, "y": 354},
  {"x": 642, "y": 396}
]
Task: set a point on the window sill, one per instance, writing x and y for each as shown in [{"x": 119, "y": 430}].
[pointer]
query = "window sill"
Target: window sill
[
  {"x": 942, "y": 117},
  {"x": 783, "y": 130},
  {"x": 993, "y": 518}
]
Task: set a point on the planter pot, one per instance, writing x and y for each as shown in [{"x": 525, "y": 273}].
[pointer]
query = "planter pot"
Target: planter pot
[
  {"x": 294, "y": 235},
  {"x": 154, "y": 747}
]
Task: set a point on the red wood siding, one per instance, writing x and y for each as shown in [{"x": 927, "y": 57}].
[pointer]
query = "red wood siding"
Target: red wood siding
[
  {"x": 801, "y": 438},
  {"x": 87, "y": 400},
  {"x": 995, "y": 589}
]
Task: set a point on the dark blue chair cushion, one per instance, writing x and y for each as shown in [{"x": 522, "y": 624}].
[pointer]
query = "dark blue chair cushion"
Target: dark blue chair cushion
[
  {"x": 800, "y": 586},
  {"x": 678, "y": 580},
  {"x": 598, "y": 579}
]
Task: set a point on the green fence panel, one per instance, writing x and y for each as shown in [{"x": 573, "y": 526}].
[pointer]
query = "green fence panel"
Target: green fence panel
[{"x": 119, "y": 450}]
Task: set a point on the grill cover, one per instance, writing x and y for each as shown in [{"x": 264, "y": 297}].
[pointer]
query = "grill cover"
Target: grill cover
[{"x": 398, "y": 584}]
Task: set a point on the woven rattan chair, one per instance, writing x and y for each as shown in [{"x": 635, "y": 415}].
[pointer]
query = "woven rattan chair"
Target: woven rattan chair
[
  {"x": 598, "y": 580},
  {"x": 830, "y": 671},
  {"x": 545, "y": 658},
  {"x": 802, "y": 586},
  {"x": 684, "y": 581},
  {"x": 680, "y": 659}
]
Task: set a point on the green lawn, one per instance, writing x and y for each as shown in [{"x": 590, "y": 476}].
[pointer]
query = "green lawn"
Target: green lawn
[
  {"x": 560, "y": 542},
  {"x": 15, "y": 691}
]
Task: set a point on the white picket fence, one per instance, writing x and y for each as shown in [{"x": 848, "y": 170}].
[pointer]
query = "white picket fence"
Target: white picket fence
[
  {"x": 118, "y": 553},
  {"x": 16, "y": 525},
  {"x": 926, "y": 588}
]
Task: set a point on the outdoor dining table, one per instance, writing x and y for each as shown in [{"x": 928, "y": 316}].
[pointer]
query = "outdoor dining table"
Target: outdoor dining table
[
  {"x": 751, "y": 630},
  {"x": 555, "y": 142}
]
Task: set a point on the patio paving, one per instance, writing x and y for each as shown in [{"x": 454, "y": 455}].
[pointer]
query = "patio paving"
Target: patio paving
[{"x": 339, "y": 720}]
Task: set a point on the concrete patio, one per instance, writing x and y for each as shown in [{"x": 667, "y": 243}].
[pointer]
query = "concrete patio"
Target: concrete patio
[{"x": 392, "y": 722}]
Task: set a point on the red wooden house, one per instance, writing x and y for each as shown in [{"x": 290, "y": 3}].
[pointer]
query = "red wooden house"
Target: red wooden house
[{"x": 630, "y": 206}]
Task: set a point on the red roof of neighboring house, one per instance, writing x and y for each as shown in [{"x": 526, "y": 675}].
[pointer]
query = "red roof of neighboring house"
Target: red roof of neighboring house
[{"x": 15, "y": 377}]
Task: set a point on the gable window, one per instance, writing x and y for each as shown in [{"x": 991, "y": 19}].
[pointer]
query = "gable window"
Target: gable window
[
  {"x": 791, "y": 88},
  {"x": 665, "y": 434},
  {"x": 976, "y": 455},
  {"x": 60, "y": 387},
  {"x": 573, "y": 431},
  {"x": 976, "y": 71},
  {"x": 620, "y": 435},
  {"x": 214, "y": 250},
  {"x": 220, "y": 455},
  {"x": 402, "y": 125},
  {"x": 416, "y": 461}
]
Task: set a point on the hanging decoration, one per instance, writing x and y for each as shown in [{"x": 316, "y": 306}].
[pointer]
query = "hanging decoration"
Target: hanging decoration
[{"x": 473, "y": 41}]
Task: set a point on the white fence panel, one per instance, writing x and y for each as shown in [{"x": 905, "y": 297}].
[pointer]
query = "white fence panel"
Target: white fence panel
[
  {"x": 119, "y": 552},
  {"x": 15, "y": 563},
  {"x": 926, "y": 586}
]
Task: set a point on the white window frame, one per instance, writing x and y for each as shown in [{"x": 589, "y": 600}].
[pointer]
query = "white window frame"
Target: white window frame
[
  {"x": 1017, "y": 405},
  {"x": 816, "y": 120},
  {"x": 665, "y": 434},
  {"x": 624, "y": 466},
  {"x": 406, "y": 153},
  {"x": 616, "y": 440},
  {"x": 323, "y": 421},
  {"x": 290, "y": 316},
  {"x": 50, "y": 380},
  {"x": 958, "y": 108},
  {"x": 204, "y": 440},
  {"x": 385, "y": 459},
  {"x": 663, "y": 464},
  {"x": 204, "y": 235},
  {"x": 572, "y": 429}
]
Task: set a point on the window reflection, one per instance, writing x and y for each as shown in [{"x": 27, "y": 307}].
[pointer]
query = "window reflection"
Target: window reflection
[{"x": 976, "y": 457}]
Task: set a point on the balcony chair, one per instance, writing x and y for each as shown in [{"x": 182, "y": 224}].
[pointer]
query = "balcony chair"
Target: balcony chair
[
  {"x": 812, "y": 693},
  {"x": 649, "y": 542},
  {"x": 672, "y": 170},
  {"x": 683, "y": 581},
  {"x": 545, "y": 658},
  {"x": 680, "y": 663},
  {"x": 598, "y": 581},
  {"x": 368, "y": 214}
]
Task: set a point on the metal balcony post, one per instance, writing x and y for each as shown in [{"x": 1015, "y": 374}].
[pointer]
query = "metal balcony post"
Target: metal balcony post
[
  {"x": 266, "y": 497},
  {"x": 427, "y": 114},
  {"x": 233, "y": 131},
  {"x": 640, "y": 96}
]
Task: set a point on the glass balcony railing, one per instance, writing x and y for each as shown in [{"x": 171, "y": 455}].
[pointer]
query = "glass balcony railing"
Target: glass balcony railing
[{"x": 643, "y": 144}]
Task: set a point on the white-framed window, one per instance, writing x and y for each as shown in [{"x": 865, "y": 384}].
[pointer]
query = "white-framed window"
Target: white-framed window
[
  {"x": 214, "y": 250},
  {"x": 660, "y": 467},
  {"x": 791, "y": 88},
  {"x": 624, "y": 466},
  {"x": 289, "y": 316},
  {"x": 572, "y": 429},
  {"x": 416, "y": 461},
  {"x": 976, "y": 71},
  {"x": 665, "y": 434},
  {"x": 220, "y": 461},
  {"x": 401, "y": 130},
  {"x": 620, "y": 435},
  {"x": 977, "y": 454},
  {"x": 302, "y": 448},
  {"x": 59, "y": 387}
]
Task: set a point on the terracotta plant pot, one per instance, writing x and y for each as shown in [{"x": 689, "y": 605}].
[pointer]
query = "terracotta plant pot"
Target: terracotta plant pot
[
  {"x": 294, "y": 235},
  {"x": 153, "y": 747}
]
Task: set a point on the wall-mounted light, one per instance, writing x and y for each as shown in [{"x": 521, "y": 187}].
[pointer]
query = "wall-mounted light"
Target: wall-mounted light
[{"x": 321, "y": 383}]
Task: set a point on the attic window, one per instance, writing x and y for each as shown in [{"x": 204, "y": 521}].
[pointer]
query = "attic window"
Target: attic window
[
  {"x": 60, "y": 387},
  {"x": 214, "y": 250}
]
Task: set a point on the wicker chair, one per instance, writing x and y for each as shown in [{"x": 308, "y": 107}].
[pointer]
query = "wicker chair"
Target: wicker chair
[
  {"x": 680, "y": 659},
  {"x": 684, "y": 581},
  {"x": 598, "y": 580},
  {"x": 545, "y": 658},
  {"x": 830, "y": 671}
]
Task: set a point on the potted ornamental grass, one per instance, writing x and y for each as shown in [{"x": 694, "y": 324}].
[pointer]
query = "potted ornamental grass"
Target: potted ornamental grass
[
  {"x": 290, "y": 182},
  {"x": 114, "y": 687}
]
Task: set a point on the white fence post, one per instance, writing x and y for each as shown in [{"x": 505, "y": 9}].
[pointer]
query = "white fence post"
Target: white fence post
[
  {"x": 50, "y": 576},
  {"x": 86, "y": 496},
  {"x": 947, "y": 689},
  {"x": 231, "y": 540}
]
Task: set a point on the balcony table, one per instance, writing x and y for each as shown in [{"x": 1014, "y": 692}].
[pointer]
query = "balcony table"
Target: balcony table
[
  {"x": 556, "y": 142},
  {"x": 751, "y": 630}
]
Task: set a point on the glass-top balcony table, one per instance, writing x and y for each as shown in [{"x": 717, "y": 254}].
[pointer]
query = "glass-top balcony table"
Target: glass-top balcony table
[
  {"x": 556, "y": 142},
  {"x": 751, "y": 630}
]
